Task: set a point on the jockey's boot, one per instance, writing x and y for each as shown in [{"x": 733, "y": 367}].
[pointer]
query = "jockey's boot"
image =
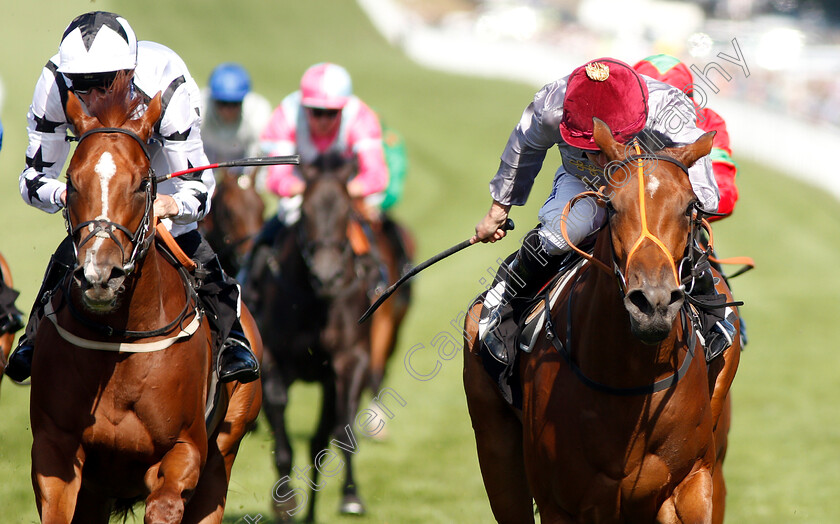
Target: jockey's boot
[
  {"x": 717, "y": 331},
  {"x": 272, "y": 234},
  {"x": 516, "y": 283},
  {"x": 11, "y": 319},
  {"x": 19, "y": 367},
  {"x": 236, "y": 360},
  {"x": 396, "y": 240},
  {"x": 11, "y": 323}
]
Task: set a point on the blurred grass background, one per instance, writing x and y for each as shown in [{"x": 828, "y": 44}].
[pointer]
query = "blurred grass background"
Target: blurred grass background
[{"x": 785, "y": 441}]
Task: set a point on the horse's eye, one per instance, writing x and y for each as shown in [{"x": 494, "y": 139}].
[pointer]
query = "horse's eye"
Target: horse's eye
[{"x": 143, "y": 185}]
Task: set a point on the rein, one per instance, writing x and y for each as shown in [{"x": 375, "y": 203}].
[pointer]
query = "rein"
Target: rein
[
  {"x": 102, "y": 228},
  {"x": 648, "y": 389},
  {"x": 645, "y": 233},
  {"x": 565, "y": 350}
]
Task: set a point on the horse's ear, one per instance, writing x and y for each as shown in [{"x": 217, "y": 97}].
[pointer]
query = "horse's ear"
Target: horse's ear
[
  {"x": 76, "y": 113},
  {"x": 347, "y": 170},
  {"x": 701, "y": 147},
  {"x": 603, "y": 137},
  {"x": 150, "y": 117},
  {"x": 308, "y": 172}
]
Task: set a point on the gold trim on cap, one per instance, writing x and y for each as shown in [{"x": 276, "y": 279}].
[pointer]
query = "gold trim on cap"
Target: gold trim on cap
[{"x": 597, "y": 71}]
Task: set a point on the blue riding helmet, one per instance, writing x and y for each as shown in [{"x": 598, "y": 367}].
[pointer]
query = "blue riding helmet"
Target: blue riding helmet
[{"x": 229, "y": 82}]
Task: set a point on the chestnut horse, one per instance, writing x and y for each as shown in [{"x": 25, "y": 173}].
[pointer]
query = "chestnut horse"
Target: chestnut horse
[
  {"x": 387, "y": 319},
  {"x": 621, "y": 421},
  {"x": 123, "y": 366},
  {"x": 6, "y": 339},
  {"x": 236, "y": 219},
  {"x": 311, "y": 292}
]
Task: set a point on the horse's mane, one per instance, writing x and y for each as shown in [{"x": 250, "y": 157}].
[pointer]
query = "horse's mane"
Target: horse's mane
[
  {"x": 652, "y": 140},
  {"x": 117, "y": 106},
  {"x": 329, "y": 161}
]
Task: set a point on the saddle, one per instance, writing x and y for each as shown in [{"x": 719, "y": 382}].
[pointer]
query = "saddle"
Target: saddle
[
  {"x": 516, "y": 337},
  {"x": 214, "y": 409}
]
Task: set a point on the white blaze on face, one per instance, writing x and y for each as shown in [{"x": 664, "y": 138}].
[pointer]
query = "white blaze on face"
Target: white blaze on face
[
  {"x": 106, "y": 169},
  {"x": 652, "y": 185}
]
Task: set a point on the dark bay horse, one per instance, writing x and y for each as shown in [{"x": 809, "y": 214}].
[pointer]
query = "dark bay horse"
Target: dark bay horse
[
  {"x": 311, "y": 294},
  {"x": 123, "y": 366},
  {"x": 621, "y": 420},
  {"x": 236, "y": 217}
]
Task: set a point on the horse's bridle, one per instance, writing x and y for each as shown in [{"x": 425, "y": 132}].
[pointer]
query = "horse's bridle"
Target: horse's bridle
[
  {"x": 142, "y": 237},
  {"x": 695, "y": 211},
  {"x": 102, "y": 228}
]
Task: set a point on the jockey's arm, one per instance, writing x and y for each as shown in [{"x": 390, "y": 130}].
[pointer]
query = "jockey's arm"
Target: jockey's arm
[
  {"x": 672, "y": 113},
  {"x": 365, "y": 139},
  {"x": 278, "y": 139},
  {"x": 183, "y": 148},
  {"x": 723, "y": 166},
  {"x": 522, "y": 159},
  {"x": 48, "y": 147}
]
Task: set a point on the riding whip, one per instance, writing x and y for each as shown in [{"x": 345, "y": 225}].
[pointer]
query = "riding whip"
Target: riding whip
[
  {"x": 256, "y": 161},
  {"x": 507, "y": 226}
]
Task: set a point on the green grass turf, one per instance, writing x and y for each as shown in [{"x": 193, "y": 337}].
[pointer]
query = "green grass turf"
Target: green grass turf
[{"x": 785, "y": 441}]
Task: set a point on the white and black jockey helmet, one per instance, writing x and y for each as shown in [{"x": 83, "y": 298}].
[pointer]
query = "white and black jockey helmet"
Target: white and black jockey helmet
[{"x": 94, "y": 47}]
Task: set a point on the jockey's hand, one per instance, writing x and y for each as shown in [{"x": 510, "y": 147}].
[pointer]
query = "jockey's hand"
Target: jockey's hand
[
  {"x": 64, "y": 198},
  {"x": 490, "y": 229},
  {"x": 165, "y": 206},
  {"x": 296, "y": 188},
  {"x": 355, "y": 189}
]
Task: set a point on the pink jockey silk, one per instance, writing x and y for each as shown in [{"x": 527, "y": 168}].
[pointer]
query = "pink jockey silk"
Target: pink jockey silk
[{"x": 359, "y": 136}]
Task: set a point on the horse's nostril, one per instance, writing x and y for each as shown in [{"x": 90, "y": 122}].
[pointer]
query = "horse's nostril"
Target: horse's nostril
[
  {"x": 116, "y": 272},
  {"x": 637, "y": 298},
  {"x": 676, "y": 296}
]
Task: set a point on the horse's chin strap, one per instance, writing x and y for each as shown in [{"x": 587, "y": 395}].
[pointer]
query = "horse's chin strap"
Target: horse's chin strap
[{"x": 645, "y": 233}]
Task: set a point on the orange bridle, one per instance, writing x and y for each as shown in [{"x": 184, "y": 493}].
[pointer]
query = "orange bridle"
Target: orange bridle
[{"x": 645, "y": 233}]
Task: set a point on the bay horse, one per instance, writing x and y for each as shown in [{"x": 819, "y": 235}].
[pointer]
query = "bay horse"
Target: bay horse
[
  {"x": 236, "y": 218},
  {"x": 311, "y": 293},
  {"x": 621, "y": 420},
  {"x": 123, "y": 367}
]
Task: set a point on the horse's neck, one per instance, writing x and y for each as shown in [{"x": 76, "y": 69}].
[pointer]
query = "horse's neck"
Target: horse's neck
[
  {"x": 155, "y": 284},
  {"x": 601, "y": 324}
]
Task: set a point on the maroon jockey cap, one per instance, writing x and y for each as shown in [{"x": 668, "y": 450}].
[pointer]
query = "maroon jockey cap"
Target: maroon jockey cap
[
  {"x": 610, "y": 90},
  {"x": 668, "y": 69}
]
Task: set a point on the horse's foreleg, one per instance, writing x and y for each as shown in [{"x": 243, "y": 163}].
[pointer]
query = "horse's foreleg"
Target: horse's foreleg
[
  {"x": 92, "y": 508},
  {"x": 382, "y": 336},
  {"x": 351, "y": 369},
  {"x": 172, "y": 481},
  {"x": 207, "y": 504},
  {"x": 721, "y": 442},
  {"x": 498, "y": 438},
  {"x": 57, "y": 461},
  {"x": 691, "y": 502}
]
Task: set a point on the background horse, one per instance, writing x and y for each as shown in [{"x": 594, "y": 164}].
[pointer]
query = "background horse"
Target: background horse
[
  {"x": 312, "y": 292},
  {"x": 620, "y": 420},
  {"x": 6, "y": 339},
  {"x": 395, "y": 248},
  {"x": 236, "y": 218},
  {"x": 119, "y": 388}
]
